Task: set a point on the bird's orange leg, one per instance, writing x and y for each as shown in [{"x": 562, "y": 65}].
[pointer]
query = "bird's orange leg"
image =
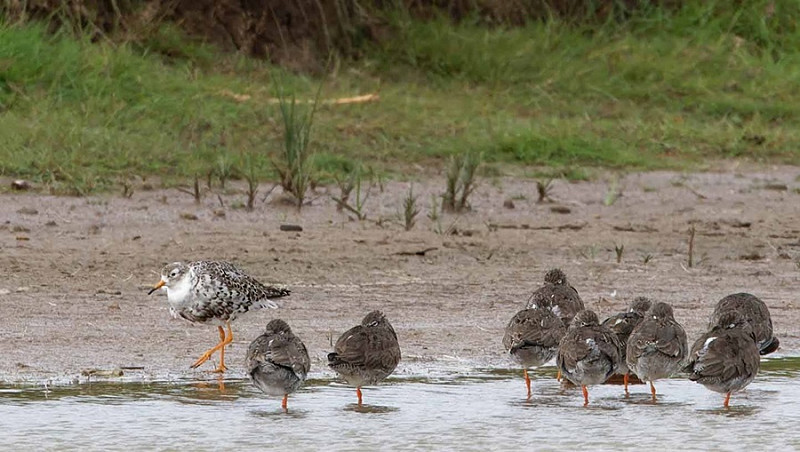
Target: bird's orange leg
[
  {"x": 285, "y": 402},
  {"x": 207, "y": 355},
  {"x": 653, "y": 391},
  {"x": 625, "y": 380},
  {"x": 358, "y": 393},
  {"x": 727, "y": 400},
  {"x": 225, "y": 341},
  {"x": 558, "y": 375},
  {"x": 527, "y": 381},
  {"x": 585, "y": 395}
]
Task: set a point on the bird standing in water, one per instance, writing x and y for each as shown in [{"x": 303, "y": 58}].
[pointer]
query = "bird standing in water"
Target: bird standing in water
[
  {"x": 726, "y": 359},
  {"x": 277, "y": 361},
  {"x": 622, "y": 324},
  {"x": 657, "y": 347},
  {"x": 367, "y": 353},
  {"x": 589, "y": 352},
  {"x": 216, "y": 293},
  {"x": 532, "y": 337}
]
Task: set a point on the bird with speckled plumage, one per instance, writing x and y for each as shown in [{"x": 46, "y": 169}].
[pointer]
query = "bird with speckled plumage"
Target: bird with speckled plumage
[{"x": 215, "y": 293}]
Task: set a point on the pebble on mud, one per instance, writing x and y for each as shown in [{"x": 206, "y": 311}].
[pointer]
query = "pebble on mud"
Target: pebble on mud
[
  {"x": 188, "y": 216},
  {"x": 560, "y": 209},
  {"x": 508, "y": 203},
  {"x": 27, "y": 211},
  {"x": 291, "y": 227}
]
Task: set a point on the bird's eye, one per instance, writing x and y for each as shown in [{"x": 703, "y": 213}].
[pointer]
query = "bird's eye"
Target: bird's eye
[
  {"x": 375, "y": 323},
  {"x": 174, "y": 273}
]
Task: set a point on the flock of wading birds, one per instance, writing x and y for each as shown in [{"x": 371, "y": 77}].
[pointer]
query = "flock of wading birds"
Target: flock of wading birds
[{"x": 644, "y": 340}]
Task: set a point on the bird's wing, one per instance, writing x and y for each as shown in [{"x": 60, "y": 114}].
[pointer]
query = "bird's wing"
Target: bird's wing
[
  {"x": 670, "y": 339},
  {"x": 725, "y": 358},
  {"x": 233, "y": 289},
  {"x": 351, "y": 346},
  {"x": 533, "y": 327},
  {"x": 573, "y": 348},
  {"x": 284, "y": 350}
]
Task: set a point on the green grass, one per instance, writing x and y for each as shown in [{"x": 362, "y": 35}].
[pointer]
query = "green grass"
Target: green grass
[{"x": 661, "y": 90}]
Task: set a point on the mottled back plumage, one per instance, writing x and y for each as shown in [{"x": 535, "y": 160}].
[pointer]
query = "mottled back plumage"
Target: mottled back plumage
[
  {"x": 277, "y": 360},
  {"x": 657, "y": 347},
  {"x": 215, "y": 291},
  {"x": 366, "y": 353},
  {"x": 588, "y": 353},
  {"x": 532, "y": 336},
  {"x": 557, "y": 295},
  {"x": 755, "y": 312},
  {"x": 623, "y": 323},
  {"x": 725, "y": 359}
]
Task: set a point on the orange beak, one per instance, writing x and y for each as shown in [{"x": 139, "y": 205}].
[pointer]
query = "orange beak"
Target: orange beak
[{"x": 158, "y": 286}]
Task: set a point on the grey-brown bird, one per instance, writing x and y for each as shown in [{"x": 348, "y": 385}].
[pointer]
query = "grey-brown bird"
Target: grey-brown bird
[
  {"x": 622, "y": 324},
  {"x": 532, "y": 337},
  {"x": 367, "y": 353},
  {"x": 277, "y": 361},
  {"x": 726, "y": 359},
  {"x": 558, "y": 296},
  {"x": 657, "y": 347},
  {"x": 589, "y": 353},
  {"x": 755, "y": 312}
]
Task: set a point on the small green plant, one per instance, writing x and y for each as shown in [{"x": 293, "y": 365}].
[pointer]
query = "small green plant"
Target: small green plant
[
  {"x": 224, "y": 169},
  {"x": 646, "y": 258},
  {"x": 294, "y": 166},
  {"x": 460, "y": 181},
  {"x": 612, "y": 194},
  {"x": 410, "y": 210},
  {"x": 352, "y": 183},
  {"x": 618, "y": 250},
  {"x": 435, "y": 216},
  {"x": 127, "y": 186},
  {"x": 589, "y": 252},
  {"x": 195, "y": 191},
  {"x": 250, "y": 174},
  {"x": 543, "y": 188}
]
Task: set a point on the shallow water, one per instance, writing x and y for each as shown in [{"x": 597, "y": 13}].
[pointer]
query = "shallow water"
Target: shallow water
[{"x": 477, "y": 409}]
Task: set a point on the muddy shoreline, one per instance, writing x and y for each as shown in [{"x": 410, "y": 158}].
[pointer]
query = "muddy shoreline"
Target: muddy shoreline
[{"x": 73, "y": 295}]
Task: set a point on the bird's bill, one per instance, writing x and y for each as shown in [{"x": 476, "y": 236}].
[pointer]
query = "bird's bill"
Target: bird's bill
[{"x": 157, "y": 286}]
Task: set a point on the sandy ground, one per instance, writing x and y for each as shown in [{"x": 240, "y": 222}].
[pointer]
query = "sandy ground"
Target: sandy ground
[{"x": 75, "y": 271}]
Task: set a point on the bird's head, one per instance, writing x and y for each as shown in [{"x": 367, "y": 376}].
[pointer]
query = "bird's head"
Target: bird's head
[
  {"x": 660, "y": 311},
  {"x": 170, "y": 275},
  {"x": 640, "y": 305},
  {"x": 278, "y": 326},
  {"x": 374, "y": 319},
  {"x": 584, "y": 318},
  {"x": 555, "y": 276}
]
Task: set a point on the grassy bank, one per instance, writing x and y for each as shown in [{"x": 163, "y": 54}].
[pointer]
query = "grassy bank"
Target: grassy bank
[{"x": 662, "y": 90}]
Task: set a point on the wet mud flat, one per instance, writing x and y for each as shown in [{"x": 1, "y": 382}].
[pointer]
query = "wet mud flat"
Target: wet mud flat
[{"x": 73, "y": 297}]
